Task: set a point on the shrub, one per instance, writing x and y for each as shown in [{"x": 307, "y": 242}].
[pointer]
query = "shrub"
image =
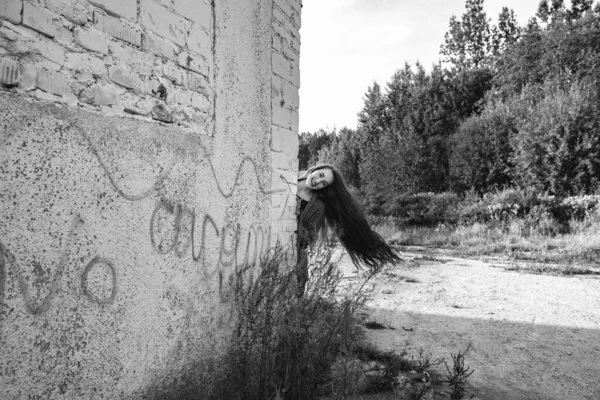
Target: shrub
[{"x": 285, "y": 345}]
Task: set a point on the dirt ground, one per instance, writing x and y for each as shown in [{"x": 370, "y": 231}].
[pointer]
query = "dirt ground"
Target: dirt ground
[{"x": 531, "y": 336}]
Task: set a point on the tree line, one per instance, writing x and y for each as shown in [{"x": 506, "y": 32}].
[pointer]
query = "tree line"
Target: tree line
[{"x": 510, "y": 106}]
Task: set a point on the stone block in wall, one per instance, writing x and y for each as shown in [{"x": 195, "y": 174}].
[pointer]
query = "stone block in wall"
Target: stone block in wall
[
  {"x": 63, "y": 31},
  {"x": 186, "y": 116},
  {"x": 193, "y": 62},
  {"x": 199, "y": 83},
  {"x": 199, "y": 11},
  {"x": 85, "y": 62},
  {"x": 91, "y": 40},
  {"x": 285, "y": 68},
  {"x": 99, "y": 95},
  {"x": 284, "y": 199},
  {"x": 57, "y": 84},
  {"x": 131, "y": 58},
  {"x": 284, "y": 116},
  {"x": 120, "y": 8},
  {"x": 175, "y": 74},
  {"x": 276, "y": 43},
  {"x": 283, "y": 161},
  {"x": 50, "y": 51},
  {"x": 158, "y": 46},
  {"x": 285, "y": 93},
  {"x": 11, "y": 72},
  {"x": 283, "y": 180},
  {"x": 284, "y": 140},
  {"x": 200, "y": 40},
  {"x": 11, "y": 10},
  {"x": 53, "y": 82},
  {"x": 163, "y": 22},
  {"x": 292, "y": 37},
  {"x": 39, "y": 19},
  {"x": 137, "y": 105},
  {"x": 161, "y": 112},
  {"x": 117, "y": 29},
  {"x": 125, "y": 78},
  {"x": 75, "y": 11}
]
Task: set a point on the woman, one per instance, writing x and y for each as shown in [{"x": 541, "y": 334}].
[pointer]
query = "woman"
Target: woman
[{"x": 324, "y": 201}]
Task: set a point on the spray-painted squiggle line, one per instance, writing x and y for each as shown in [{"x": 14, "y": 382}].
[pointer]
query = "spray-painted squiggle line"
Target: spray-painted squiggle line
[
  {"x": 289, "y": 194},
  {"x": 237, "y": 177},
  {"x": 121, "y": 193},
  {"x": 55, "y": 283},
  {"x": 167, "y": 171}
]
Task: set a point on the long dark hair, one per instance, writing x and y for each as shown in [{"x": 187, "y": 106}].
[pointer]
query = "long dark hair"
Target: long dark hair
[{"x": 346, "y": 217}]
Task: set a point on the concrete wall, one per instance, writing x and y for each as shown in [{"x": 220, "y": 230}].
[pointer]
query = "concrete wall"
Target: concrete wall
[{"x": 148, "y": 155}]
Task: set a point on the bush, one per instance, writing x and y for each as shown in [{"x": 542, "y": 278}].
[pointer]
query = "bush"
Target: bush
[
  {"x": 285, "y": 345},
  {"x": 424, "y": 208}
]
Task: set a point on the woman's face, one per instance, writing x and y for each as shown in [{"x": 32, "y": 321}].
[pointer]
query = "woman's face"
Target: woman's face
[{"x": 319, "y": 179}]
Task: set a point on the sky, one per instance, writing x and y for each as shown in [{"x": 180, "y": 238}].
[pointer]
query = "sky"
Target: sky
[{"x": 346, "y": 45}]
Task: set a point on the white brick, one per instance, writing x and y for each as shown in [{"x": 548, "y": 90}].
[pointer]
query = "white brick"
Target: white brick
[
  {"x": 135, "y": 60},
  {"x": 75, "y": 11},
  {"x": 290, "y": 143},
  {"x": 199, "y": 11},
  {"x": 29, "y": 78},
  {"x": 11, "y": 72},
  {"x": 199, "y": 83},
  {"x": 200, "y": 41},
  {"x": 191, "y": 118},
  {"x": 193, "y": 62},
  {"x": 283, "y": 161},
  {"x": 285, "y": 68},
  {"x": 91, "y": 40},
  {"x": 199, "y": 101},
  {"x": 85, "y": 62},
  {"x": 99, "y": 95},
  {"x": 282, "y": 179},
  {"x": 163, "y": 22},
  {"x": 291, "y": 96},
  {"x": 173, "y": 73},
  {"x": 277, "y": 138},
  {"x": 11, "y": 10},
  {"x": 39, "y": 19},
  {"x": 284, "y": 6},
  {"x": 289, "y": 52},
  {"x": 63, "y": 32},
  {"x": 50, "y": 50},
  {"x": 125, "y": 78},
  {"x": 296, "y": 5},
  {"x": 121, "y": 8},
  {"x": 276, "y": 42},
  {"x": 117, "y": 29},
  {"x": 284, "y": 117},
  {"x": 133, "y": 104},
  {"x": 53, "y": 82},
  {"x": 158, "y": 46}
]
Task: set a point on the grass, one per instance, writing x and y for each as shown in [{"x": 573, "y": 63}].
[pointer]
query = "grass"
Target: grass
[
  {"x": 286, "y": 346},
  {"x": 574, "y": 252}
]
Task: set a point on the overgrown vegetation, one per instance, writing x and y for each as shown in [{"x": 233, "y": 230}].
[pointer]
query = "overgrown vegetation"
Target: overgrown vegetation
[
  {"x": 524, "y": 225},
  {"x": 511, "y": 107}
]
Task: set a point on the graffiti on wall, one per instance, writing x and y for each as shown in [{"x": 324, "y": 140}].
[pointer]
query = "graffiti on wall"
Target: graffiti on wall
[{"x": 186, "y": 236}]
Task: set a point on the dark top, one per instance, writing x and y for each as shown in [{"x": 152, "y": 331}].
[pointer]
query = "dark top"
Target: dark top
[{"x": 311, "y": 215}]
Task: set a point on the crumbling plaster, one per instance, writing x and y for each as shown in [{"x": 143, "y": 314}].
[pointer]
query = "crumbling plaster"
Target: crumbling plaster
[{"x": 138, "y": 180}]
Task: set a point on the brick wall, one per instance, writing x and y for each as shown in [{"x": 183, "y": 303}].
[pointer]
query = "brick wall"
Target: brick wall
[
  {"x": 145, "y": 59},
  {"x": 148, "y": 159},
  {"x": 285, "y": 103}
]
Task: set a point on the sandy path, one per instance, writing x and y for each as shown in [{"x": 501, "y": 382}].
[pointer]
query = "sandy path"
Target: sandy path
[{"x": 532, "y": 336}]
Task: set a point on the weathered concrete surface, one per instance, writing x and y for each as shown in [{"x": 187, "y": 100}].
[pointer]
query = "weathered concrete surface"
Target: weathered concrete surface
[{"x": 136, "y": 183}]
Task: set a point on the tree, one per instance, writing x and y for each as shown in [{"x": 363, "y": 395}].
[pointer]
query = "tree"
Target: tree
[
  {"x": 468, "y": 43},
  {"x": 506, "y": 33}
]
